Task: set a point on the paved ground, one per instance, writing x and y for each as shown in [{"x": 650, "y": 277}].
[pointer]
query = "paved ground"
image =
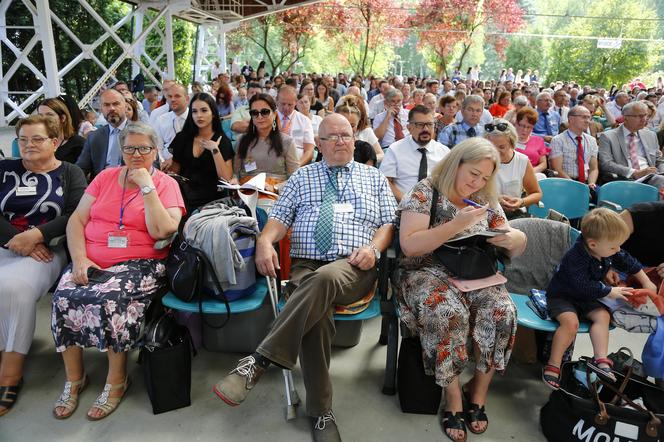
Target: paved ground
[{"x": 363, "y": 413}]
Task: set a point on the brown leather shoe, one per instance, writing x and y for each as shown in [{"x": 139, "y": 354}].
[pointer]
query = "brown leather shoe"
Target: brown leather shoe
[
  {"x": 234, "y": 388},
  {"x": 325, "y": 429}
]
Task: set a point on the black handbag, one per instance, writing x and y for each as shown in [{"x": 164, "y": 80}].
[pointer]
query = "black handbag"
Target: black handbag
[
  {"x": 583, "y": 411},
  {"x": 166, "y": 356},
  {"x": 186, "y": 268},
  {"x": 470, "y": 258},
  {"x": 418, "y": 392}
]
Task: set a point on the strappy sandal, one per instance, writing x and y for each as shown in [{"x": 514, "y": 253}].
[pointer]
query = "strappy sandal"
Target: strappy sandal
[
  {"x": 69, "y": 397},
  {"x": 551, "y": 381},
  {"x": 474, "y": 412},
  {"x": 454, "y": 421},
  {"x": 106, "y": 403},
  {"x": 9, "y": 396},
  {"x": 605, "y": 372}
]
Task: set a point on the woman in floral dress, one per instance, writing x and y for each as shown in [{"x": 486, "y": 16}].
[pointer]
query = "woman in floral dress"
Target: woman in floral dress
[
  {"x": 123, "y": 213},
  {"x": 456, "y": 326}
]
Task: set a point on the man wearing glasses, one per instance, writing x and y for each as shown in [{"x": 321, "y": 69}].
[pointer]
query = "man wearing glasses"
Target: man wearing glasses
[
  {"x": 630, "y": 151},
  {"x": 411, "y": 159},
  {"x": 341, "y": 214}
]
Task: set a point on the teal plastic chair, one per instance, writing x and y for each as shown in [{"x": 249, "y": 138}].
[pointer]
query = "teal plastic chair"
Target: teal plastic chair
[
  {"x": 620, "y": 195},
  {"x": 226, "y": 126},
  {"x": 16, "y": 153},
  {"x": 568, "y": 197}
]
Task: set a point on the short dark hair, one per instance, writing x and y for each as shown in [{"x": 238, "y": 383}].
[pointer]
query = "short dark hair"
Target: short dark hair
[{"x": 419, "y": 109}]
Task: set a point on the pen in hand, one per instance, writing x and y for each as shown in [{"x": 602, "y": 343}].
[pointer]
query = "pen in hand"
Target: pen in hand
[{"x": 474, "y": 204}]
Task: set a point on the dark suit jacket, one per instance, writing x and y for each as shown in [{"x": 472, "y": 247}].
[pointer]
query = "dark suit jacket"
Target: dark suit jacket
[
  {"x": 93, "y": 156},
  {"x": 614, "y": 152}
]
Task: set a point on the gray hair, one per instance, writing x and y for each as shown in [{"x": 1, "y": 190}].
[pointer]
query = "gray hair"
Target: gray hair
[
  {"x": 139, "y": 128},
  {"x": 520, "y": 101},
  {"x": 393, "y": 93},
  {"x": 419, "y": 92},
  {"x": 543, "y": 96},
  {"x": 472, "y": 99},
  {"x": 634, "y": 106}
]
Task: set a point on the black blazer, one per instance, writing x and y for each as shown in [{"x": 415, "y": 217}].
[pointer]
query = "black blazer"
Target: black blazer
[{"x": 93, "y": 157}]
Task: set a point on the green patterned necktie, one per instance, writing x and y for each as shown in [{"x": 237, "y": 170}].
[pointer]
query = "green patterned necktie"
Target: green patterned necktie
[{"x": 325, "y": 225}]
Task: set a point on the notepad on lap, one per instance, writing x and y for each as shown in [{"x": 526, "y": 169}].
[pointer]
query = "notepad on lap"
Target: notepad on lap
[{"x": 468, "y": 285}]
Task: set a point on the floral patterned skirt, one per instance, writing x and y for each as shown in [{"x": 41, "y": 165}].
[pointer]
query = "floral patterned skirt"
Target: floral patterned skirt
[{"x": 106, "y": 315}]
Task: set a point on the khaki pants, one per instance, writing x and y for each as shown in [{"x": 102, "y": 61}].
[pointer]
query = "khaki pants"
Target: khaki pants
[{"x": 306, "y": 324}]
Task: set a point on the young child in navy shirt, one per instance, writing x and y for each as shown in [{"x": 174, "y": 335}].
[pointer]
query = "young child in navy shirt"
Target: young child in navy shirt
[{"x": 578, "y": 284}]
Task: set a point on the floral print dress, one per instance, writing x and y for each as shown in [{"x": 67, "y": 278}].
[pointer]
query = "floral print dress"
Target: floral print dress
[
  {"x": 453, "y": 326},
  {"x": 106, "y": 315}
]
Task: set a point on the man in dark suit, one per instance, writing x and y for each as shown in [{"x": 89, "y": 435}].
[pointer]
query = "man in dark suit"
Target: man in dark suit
[
  {"x": 102, "y": 148},
  {"x": 630, "y": 151}
]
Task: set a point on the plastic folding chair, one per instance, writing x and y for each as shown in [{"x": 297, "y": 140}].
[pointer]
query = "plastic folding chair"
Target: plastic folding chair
[
  {"x": 568, "y": 197},
  {"x": 619, "y": 195}
]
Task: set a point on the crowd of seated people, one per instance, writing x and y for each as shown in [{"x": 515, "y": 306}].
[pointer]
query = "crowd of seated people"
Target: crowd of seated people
[{"x": 384, "y": 145}]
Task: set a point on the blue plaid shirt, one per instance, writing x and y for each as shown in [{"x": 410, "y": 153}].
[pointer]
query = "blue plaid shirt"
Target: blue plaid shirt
[
  {"x": 580, "y": 276},
  {"x": 361, "y": 186},
  {"x": 455, "y": 133}
]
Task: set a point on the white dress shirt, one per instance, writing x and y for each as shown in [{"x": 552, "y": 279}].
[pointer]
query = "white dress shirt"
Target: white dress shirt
[
  {"x": 388, "y": 136},
  {"x": 169, "y": 125},
  {"x": 402, "y": 161},
  {"x": 376, "y": 106},
  {"x": 300, "y": 130},
  {"x": 158, "y": 112},
  {"x": 562, "y": 111},
  {"x": 612, "y": 107}
]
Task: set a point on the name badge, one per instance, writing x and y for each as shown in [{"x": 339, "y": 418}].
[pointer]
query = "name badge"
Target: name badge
[
  {"x": 250, "y": 167},
  {"x": 26, "y": 191},
  {"x": 118, "y": 240},
  {"x": 343, "y": 208}
]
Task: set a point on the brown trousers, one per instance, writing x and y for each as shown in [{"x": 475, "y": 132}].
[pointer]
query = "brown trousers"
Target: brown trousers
[{"x": 306, "y": 325}]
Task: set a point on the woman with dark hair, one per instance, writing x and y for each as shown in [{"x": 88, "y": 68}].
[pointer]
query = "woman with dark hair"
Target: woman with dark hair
[
  {"x": 264, "y": 148},
  {"x": 131, "y": 110},
  {"x": 308, "y": 88},
  {"x": 225, "y": 105},
  {"x": 202, "y": 153},
  {"x": 323, "y": 96},
  {"x": 70, "y": 143}
]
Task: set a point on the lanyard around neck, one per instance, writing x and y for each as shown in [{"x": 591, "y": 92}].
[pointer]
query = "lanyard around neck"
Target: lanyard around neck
[{"x": 123, "y": 206}]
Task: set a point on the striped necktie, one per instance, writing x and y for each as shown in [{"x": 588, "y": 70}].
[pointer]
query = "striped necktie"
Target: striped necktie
[{"x": 324, "y": 231}]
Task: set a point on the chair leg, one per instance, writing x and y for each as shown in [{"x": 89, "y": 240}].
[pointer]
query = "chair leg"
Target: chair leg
[
  {"x": 384, "y": 331},
  {"x": 389, "y": 383}
]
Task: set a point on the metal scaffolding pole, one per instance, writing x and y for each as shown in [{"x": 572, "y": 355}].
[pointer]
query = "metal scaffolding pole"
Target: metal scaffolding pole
[{"x": 168, "y": 44}]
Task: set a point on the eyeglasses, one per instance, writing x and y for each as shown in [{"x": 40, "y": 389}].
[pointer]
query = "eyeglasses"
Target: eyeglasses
[
  {"x": 419, "y": 125},
  {"x": 500, "y": 127},
  {"x": 263, "y": 112},
  {"x": 584, "y": 117},
  {"x": 37, "y": 141},
  {"x": 337, "y": 138},
  {"x": 637, "y": 115},
  {"x": 143, "y": 150}
]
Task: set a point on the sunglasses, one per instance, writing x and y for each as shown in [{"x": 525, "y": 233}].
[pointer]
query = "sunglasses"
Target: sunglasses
[
  {"x": 263, "y": 112},
  {"x": 500, "y": 127}
]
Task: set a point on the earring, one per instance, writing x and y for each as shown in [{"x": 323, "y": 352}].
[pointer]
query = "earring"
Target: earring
[{"x": 274, "y": 124}]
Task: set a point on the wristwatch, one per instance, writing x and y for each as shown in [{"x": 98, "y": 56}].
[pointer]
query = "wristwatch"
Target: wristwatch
[
  {"x": 215, "y": 151},
  {"x": 373, "y": 247},
  {"x": 147, "y": 189}
]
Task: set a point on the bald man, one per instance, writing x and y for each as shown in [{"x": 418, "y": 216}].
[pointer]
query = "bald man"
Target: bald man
[
  {"x": 342, "y": 215},
  {"x": 171, "y": 123},
  {"x": 294, "y": 124}
]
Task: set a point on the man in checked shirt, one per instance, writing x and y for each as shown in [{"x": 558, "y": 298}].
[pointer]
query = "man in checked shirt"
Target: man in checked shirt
[{"x": 341, "y": 213}]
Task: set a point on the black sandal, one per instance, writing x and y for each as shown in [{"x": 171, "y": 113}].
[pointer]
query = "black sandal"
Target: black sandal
[
  {"x": 474, "y": 412},
  {"x": 454, "y": 421},
  {"x": 550, "y": 380},
  {"x": 8, "y": 396}
]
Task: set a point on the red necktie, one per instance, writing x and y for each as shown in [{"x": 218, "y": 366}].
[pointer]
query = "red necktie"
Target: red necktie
[
  {"x": 633, "y": 155},
  {"x": 579, "y": 160},
  {"x": 398, "y": 128}
]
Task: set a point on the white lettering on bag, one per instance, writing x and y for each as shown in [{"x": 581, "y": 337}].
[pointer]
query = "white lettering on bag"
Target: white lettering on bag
[
  {"x": 603, "y": 437},
  {"x": 576, "y": 431}
]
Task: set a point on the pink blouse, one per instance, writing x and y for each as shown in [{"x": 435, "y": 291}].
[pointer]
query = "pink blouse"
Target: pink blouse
[
  {"x": 105, "y": 216},
  {"x": 533, "y": 149}
]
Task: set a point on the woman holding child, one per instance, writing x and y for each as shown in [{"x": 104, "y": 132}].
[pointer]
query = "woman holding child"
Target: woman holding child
[{"x": 455, "y": 326}]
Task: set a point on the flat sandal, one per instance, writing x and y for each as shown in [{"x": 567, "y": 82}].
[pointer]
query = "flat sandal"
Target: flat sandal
[
  {"x": 108, "y": 404},
  {"x": 9, "y": 396},
  {"x": 69, "y": 401}
]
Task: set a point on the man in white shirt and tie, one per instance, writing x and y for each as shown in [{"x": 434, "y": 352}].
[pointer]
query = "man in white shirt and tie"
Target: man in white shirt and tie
[
  {"x": 294, "y": 124},
  {"x": 169, "y": 124},
  {"x": 411, "y": 159},
  {"x": 559, "y": 107}
]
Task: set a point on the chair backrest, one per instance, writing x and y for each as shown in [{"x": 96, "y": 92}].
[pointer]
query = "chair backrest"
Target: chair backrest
[
  {"x": 569, "y": 197},
  {"x": 226, "y": 126},
  {"x": 626, "y": 193}
]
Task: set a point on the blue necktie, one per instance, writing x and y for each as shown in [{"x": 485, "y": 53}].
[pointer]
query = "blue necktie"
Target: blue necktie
[
  {"x": 325, "y": 226},
  {"x": 547, "y": 125},
  {"x": 113, "y": 157}
]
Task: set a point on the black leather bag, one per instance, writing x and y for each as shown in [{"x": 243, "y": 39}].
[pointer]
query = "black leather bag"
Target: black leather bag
[
  {"x": 470, "y": 258},
  {"x": 166, "y": 356},
  {"x": 186, "y": 268},
  {"x": 418, "y": 392}
]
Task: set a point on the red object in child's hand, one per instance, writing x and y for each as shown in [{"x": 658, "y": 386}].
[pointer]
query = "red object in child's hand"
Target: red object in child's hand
[{"x": 646, "y": 301}]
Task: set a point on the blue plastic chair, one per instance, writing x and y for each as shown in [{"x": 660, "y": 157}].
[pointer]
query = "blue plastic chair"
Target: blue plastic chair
[
  {"x": 16, "y": 153},
  {"x": 620, "y": 195},
  {"x": 226, "y": 126},
  {"x": 568, "y": 197}
]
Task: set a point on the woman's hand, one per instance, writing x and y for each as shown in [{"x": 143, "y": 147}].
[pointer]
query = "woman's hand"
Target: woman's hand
[
  {"x": 79, "y": 270},
  {"x": 469, "y": 216},
  {"x": 510, "y": 241},
  {"x": 210, "y": 145},
  {"x": 141, "y": 177},
  {"x": 510, "y": 203},
  {"x": 24, "y": 243},
  {"x": 41, "y": 253}
]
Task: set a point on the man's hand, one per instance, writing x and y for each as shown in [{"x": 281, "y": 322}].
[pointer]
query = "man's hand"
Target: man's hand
[
  {"x": 363, "y": 258},
  {"x": 267, "y": 260},
  {"x": 41, "y": 253},
  {"x": 643, "y": 172},
  {"x": 24, "y": 243}
]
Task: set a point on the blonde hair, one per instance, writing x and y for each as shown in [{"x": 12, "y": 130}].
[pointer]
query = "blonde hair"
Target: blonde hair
[
  {"x": 604, "y": 225},
  {"x": 472, "y": 151},
  {"x": 509, "y": 133}
]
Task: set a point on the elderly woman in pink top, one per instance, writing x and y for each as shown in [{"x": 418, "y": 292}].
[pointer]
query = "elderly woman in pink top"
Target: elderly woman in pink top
[{"x": 117, "y": 267}]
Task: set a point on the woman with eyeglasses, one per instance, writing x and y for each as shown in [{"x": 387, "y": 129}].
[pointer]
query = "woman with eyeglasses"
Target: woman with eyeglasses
[
  {"x": 352, "y": 107},
  {"x": 38, "y": 193},
  {"x": 202, "y": 153},
  {"x": 528, "y": 144},
  {"x": 517, "y": 184},
  {"x": 70, "y": 144},
  {"x": 264, "y": 148},
  {"x": 116, "y": 238}
]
